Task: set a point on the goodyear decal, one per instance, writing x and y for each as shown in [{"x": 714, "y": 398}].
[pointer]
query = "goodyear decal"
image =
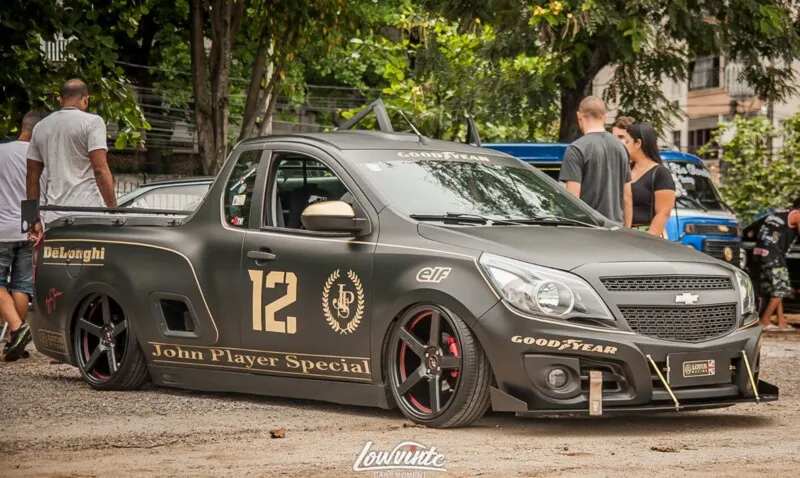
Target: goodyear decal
[
  {"x": 566, "y": 344},
  {"x": 442, "y": 155}
]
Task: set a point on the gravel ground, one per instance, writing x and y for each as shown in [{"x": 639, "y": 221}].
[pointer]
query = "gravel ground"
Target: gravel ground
[{"x": 56, "y": 426}]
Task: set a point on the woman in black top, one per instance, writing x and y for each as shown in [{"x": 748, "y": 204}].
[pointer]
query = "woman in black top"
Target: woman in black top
[{"x": 652, "y": 183}]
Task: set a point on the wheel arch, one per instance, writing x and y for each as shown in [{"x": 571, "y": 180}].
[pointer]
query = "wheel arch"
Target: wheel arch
[{"x": 413, "y": 299}]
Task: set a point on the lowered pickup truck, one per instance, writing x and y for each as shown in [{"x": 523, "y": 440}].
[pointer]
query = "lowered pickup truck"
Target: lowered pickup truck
[{"x": 391, "y": 270}]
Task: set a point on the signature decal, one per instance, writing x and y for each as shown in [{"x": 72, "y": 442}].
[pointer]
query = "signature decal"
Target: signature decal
[
  {"x": 50, "y": 300},
  {"x": 346, "y": 298},
  {"x": 433, "y": 274},
  {"x": 287, "y": 363},
  {"x": 567, "y": 344}
]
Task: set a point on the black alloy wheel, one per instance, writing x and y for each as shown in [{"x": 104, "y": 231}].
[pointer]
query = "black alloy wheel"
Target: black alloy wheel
[
  {"x": 438, "y": 373},
  {"x": 107, "y": 352}
]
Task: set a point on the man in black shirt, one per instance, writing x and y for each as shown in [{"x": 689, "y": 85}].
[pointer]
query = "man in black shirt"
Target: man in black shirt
[
  {"x": 596, "y": 167},
  {"x": 776, "y": 234}
]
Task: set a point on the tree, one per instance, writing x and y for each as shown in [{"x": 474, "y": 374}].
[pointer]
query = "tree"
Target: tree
[
  {"x": 755, "y": 180},
  {"x": 265, "y": 37},
  {"x": 438, "y": 72},
  {"x": 29, "y": 80},
  {"x": 646, "y": 41}
]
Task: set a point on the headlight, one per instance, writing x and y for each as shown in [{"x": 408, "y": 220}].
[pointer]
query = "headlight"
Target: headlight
[
  {"x": 747, "y": 298},
  {"x": 542, "y": 291}
]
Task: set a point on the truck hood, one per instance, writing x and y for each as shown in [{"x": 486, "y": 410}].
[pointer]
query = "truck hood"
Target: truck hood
[
  {"x": 564, "y": 248},
  {"x": 687, "y": 214}
]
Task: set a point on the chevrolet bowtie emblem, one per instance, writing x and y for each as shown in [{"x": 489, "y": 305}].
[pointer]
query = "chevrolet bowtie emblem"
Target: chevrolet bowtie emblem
[{"x": 687, "y": 298}]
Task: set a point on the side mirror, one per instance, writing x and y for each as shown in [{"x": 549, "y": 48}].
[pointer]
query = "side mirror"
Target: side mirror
[{"x": 332, "y": 216}]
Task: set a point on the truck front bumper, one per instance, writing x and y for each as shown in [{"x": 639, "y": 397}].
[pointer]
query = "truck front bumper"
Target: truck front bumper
[{"x": 543, "y": 367}]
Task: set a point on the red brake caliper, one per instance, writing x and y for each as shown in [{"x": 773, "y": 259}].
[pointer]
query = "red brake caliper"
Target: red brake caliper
[{"x": 452, "y": 345}]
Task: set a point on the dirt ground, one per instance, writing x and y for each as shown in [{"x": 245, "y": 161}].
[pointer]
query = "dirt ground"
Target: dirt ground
[{"x": 56, "y": 426}]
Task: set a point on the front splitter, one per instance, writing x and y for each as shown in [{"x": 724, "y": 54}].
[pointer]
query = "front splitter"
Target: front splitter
[{"x": 766, "y": 392}]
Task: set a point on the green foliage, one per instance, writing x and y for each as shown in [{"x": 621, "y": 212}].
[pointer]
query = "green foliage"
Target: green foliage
[
  {"x": 437, "y": 72},
  {"x": 30, "y": 81},
  {"x": 644, "y": 41},
  {"x": 754, "y": 181}
]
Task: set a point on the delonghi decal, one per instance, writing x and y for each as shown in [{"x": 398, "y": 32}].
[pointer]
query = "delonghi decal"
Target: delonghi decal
[
  {"x": 343, "y": 297},
  {"x": 433, "y": 274},
  {"x": 95, "y": 254},
  {"x": 568, "y": 344}
]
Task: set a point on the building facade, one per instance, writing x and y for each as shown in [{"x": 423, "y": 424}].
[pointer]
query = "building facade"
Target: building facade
[{"x": 704, "y": 103}]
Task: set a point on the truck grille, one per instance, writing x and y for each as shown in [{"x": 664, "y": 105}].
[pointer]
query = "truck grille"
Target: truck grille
[
  {"x": 716, "y": 229},
  {"x": 683, "y": 324},
  {"x": 716, "y": 249},
  {"x": 666, "y": 283}
]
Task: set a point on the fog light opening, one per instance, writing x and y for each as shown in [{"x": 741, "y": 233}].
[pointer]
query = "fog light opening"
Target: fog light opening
[{"x": 557, "y": 378}]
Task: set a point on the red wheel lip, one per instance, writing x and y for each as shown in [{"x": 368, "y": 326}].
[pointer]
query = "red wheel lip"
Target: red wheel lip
[{"x": 452, "y": 341}]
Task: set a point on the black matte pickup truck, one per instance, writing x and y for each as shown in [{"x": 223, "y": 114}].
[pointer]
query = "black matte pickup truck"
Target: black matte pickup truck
[{"x": 387, "y": 269}]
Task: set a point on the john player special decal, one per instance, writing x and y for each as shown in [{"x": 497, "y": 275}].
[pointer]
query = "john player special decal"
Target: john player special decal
[
  {"x": 284, "y": 363},
  {"x": 343, "y": 302}
]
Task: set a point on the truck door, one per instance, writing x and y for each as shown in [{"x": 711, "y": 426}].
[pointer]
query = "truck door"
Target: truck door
[{"x": 308, "y": 295}]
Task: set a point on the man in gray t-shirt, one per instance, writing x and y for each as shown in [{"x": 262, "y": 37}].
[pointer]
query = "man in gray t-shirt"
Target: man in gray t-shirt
[
  {"x": 71, "y": 145},
  {"x": 16, "y": 253},
  {"x": 596, "y": 167}
]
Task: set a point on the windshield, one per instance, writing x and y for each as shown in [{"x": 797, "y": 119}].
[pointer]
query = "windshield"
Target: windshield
[
  {"x": 490, "y": 189},
  {"x": 693, "y": 186}
]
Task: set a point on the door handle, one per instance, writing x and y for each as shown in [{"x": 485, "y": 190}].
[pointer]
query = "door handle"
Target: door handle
[{"x": 259, "y": 256}]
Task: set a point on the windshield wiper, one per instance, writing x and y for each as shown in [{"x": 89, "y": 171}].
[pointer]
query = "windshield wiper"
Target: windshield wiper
[
  {"x": 694, "y": 201},
  {"x": 464, "y": 217},
  {"x": 557, "y": 220}
]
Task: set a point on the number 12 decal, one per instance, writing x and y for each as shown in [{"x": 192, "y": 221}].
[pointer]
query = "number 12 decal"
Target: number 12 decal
[{"x": 268, "y": 322}]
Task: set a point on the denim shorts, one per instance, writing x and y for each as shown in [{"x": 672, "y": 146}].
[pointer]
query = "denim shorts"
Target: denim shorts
[{"x": 16, "y": 266}]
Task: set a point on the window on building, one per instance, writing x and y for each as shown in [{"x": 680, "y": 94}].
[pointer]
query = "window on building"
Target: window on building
[
  {"x": 699, "y": 138},
  {"x": 704, "y": 73},
  {"x": 676, "y": 139}
]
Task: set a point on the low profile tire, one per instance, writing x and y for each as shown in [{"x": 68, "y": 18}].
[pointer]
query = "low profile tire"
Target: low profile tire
[
  {"x": 438, "y": 374},
  {"x": 105, "y": 345}
]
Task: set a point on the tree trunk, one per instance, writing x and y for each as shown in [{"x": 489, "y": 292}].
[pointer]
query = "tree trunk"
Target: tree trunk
[
  {"x": 211, "y": 110},
  {"x": 202, "y": 99},
  {"x": 266, "y": 119},
  {"x": 569, "y": 130},
  {"x": 255, "y": 94}
]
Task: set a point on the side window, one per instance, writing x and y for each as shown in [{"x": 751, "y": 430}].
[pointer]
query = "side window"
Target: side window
[
  {"x": 239, "y": 189},
  {"x": 173, "y": 198},
  {"x": 299, "y": 182}
]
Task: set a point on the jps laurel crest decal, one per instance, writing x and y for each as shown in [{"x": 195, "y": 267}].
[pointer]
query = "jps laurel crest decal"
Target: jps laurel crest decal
[{"x": 343, "y": 302}]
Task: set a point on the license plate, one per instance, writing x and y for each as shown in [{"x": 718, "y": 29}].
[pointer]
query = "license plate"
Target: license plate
[{"x": 698, "y": 368}]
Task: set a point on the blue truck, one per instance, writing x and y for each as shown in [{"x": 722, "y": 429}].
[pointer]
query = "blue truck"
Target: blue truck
[{"x": 700, "y": 219}]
